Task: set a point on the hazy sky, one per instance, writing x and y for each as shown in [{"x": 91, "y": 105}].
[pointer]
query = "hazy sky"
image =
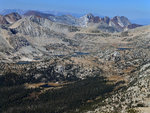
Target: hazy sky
[{"x": 133, "y": 9}]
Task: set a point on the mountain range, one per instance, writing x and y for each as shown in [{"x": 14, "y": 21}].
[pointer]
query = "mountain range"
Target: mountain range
[
  {"x": 115, "y": 24},
  {"x": 35, "y": 32}
]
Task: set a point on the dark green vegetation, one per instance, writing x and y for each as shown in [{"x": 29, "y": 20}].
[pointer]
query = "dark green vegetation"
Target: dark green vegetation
[
  {"x": 75, "y": 97},
  {"x": 133, "y": 111},
  {"x": 12, "y": 79}
]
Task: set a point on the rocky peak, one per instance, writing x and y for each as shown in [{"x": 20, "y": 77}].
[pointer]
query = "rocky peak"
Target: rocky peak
[
  {"x": 12, "y": 17},
  {"x": 30, "y": 23},
  {"x": 121, "y": 21},
  {"x": 89, "y": 18},
  {"x": 125, "y": 20},
  {"x": 35, "y": 19},
  {"x": 9, "y": 18},
  {"x": 106, "y": 19}
]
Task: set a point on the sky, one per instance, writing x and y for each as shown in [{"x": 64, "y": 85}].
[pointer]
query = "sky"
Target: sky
[{"x": 133, "y": 9}]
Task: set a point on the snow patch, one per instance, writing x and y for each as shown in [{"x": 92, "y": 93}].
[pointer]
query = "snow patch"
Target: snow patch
[{"x": 26, "y": 59}]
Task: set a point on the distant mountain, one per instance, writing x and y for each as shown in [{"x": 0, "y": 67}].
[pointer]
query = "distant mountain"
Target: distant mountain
[
  {"x": 9, "y": 18},
  {"x": 59, "y": 13},
  {"x": 12, "y": 17},
  {"x": 115, "y": 24},
  {"x": 8, "y": 11},
  {"x": 21, "y": 12},
  {"x": 38, "y": 14},
  {"x": 65, "y": 19},
  {"x": 120, "y": 22}
]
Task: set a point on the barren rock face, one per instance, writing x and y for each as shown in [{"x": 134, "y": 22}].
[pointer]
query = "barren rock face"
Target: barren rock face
[
  {"x": 13, "y": 17},
  {"x": 9, "y": 18},
  {"x": 3, "y": 20}
]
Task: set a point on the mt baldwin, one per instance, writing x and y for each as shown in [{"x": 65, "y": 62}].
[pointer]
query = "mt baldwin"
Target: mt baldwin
[{"x": 63, "y": 64}]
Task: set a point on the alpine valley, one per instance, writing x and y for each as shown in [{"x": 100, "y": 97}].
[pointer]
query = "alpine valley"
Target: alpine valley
[{"x": 63, "y": 64}]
